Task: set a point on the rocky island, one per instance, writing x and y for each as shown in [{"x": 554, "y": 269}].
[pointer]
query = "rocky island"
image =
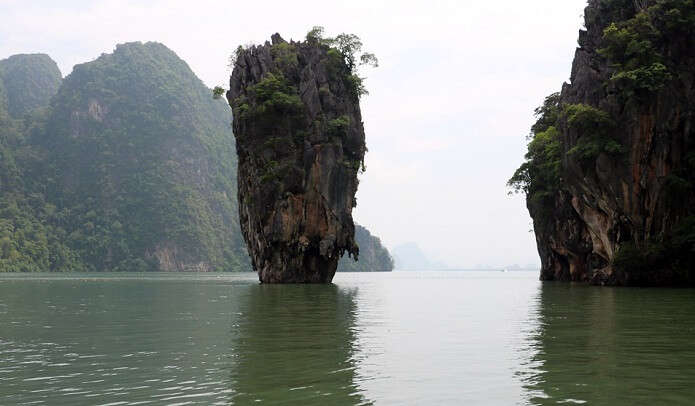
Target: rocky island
[
  {"x": 610, "y": 170},
  {"x": 300, "y": 144}
]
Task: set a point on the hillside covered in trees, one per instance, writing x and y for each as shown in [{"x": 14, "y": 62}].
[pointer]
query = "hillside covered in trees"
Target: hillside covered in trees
[{"x": 127, "y": 164}]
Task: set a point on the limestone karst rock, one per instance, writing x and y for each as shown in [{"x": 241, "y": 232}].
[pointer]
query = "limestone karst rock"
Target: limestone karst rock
[
  {"x": 300, "y": 142},
  {"x": 610, "y": 174}
]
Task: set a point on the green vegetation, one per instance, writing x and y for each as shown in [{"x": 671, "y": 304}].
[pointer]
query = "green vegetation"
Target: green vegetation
[
  {"x": 29, "y": 81},
  {"x": 133, "y": 162},
  {"x": 29, "y": 240},
  {"x": 338, "y": 127},
  {"x": 540, "y": 175},
  {"x": 594, "y": 127},
  {"x": 346, "y": 57},
  {"x": 217, "y": 92},
  {"x": 631, "y": 41},
  {"x": 632, "y": 45},
  {"x": 274, "y": 95},
  {"x": 273, "y": 98},
  {"x": 285, "y": 55}
]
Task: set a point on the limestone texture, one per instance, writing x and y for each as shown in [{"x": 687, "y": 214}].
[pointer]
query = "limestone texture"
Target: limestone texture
[
  {"x": 300, "y": 143},
  {"x": 641, "y": 198}
]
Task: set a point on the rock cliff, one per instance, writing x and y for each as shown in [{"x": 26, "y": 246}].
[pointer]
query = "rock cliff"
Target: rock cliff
[
  {"x": 610, "y": 172},
  {"x": 300, "y": 143}
]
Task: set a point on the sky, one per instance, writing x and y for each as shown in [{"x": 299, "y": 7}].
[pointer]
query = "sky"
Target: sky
[{"x": 448, "y": 111}]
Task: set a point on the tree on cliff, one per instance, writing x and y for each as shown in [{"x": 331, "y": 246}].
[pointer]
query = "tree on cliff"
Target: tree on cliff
[{"x": 349, "y": 47}]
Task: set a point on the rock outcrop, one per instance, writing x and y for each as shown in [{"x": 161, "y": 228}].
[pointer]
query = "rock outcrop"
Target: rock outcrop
[
  {"x": 300, "y": 143},
  {"x": 614, "y": 203}
]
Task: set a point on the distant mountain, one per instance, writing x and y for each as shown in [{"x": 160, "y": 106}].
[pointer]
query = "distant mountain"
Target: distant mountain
[
  {"x": 30, "y": 80},
  {"x": 373, "y": 257},
  {"x": 409, "y": 257},
  {"x": 128, "y": 164}
]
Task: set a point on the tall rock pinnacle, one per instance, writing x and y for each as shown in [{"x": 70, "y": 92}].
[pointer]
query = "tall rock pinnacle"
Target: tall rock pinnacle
[{"x": 300, "y": 142}]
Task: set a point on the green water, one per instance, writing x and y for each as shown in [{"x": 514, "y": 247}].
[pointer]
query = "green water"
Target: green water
[{"x": 384, "y": 339}]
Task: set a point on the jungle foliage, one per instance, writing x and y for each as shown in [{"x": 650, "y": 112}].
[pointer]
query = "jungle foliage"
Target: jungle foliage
[{"x": 633, "y": 45}]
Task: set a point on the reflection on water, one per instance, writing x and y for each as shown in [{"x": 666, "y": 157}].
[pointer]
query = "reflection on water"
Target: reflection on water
[
  {"x": 385, "y": 339},
  {"x": 294, "y": 344},
  {"x": 175, "y": 341},
  {"x": 613, "y": 346}
]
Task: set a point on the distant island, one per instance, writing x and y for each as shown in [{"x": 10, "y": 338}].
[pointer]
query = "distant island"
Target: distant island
[
  {"x": 610, "y": 170},
  {"x": 127, "y": 164},
  {"x": 409, "y": 257}
]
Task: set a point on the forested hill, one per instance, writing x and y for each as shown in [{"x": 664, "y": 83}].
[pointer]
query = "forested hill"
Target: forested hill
[
  {"x": 26, "y": 238},
  {"x": 144, "y": 165},
  {"x": 132, "y": 167},
  {"x": 29, "y": 82},
  {"x": 374, "y": 257}
]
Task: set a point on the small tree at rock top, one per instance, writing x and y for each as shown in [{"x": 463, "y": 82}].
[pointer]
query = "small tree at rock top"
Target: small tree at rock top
[
  {"x": 217, "y": 92},
  {"x": 349, "y": 46}
]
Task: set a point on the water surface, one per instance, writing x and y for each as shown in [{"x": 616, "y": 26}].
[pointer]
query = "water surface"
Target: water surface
[{"x": 386, "y": 339}]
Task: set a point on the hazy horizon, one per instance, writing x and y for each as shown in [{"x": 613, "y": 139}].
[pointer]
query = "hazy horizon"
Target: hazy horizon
[{"x": 447, "y": 113}]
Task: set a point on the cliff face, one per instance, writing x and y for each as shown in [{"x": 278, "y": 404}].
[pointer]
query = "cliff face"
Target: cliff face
[
  {"x": 300, "y": 143},
  {"x": 610, "y": 171}
]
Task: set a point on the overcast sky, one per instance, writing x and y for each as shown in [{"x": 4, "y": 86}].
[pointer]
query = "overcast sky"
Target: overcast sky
[{"x": 448, "y": 111}]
